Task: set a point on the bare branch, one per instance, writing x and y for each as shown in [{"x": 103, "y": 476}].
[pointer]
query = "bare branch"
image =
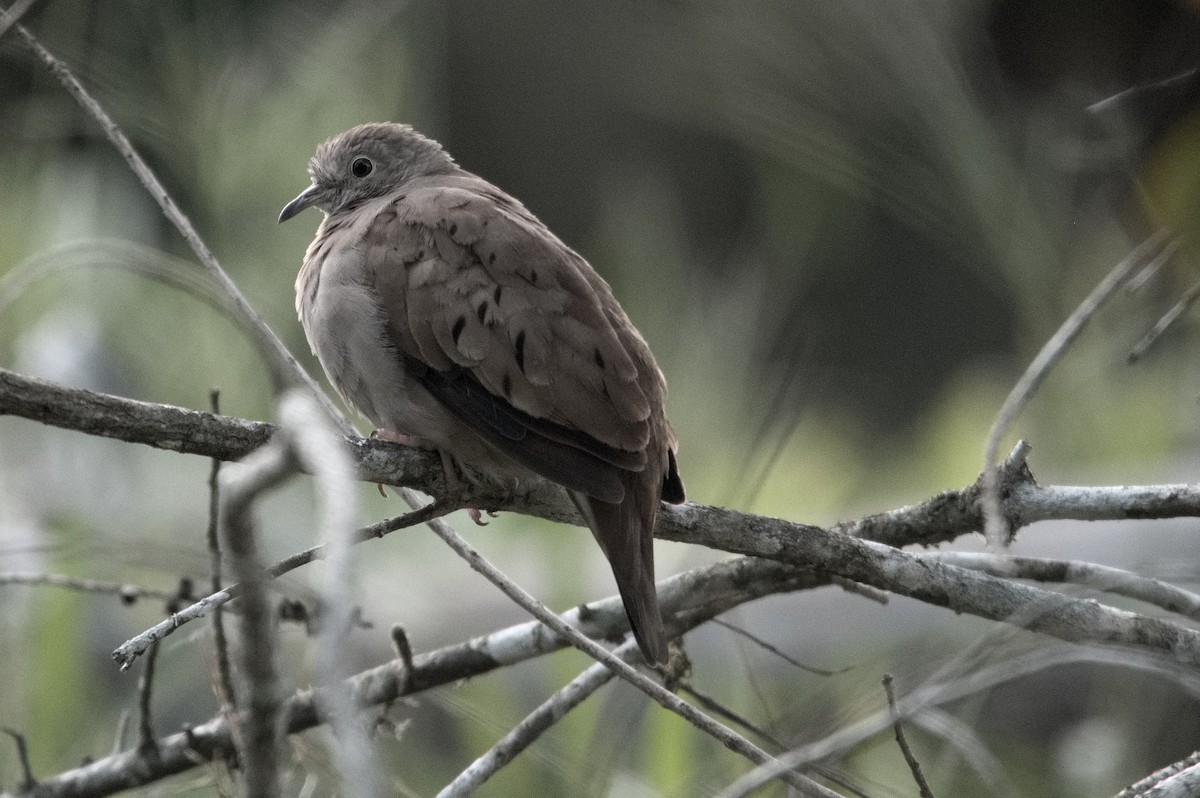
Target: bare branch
[
  {"x": 128, "y": 593},
  {"x": 285, "y": 369},
  {"x": 1178, "y": 780},
  {"x": 9, "y": 16},
  {"x": 996, "y": 529},
  {"x": 145, "y": 691},
  {"x": 261, "y": 732},
  {"x": 910, "y": 759},
  {"x": 963, "y": 737},
  {"x": 1103, "y": 577},
  {"x": 534, "y": 724},
  {"x": 28, "y": 782},
  {"x": 1160, "y": 327},
  {"x": 128, "y": 651},
  {"x": 666, "y": 699},
  {"x": 943, "y": 692},
  {"x": 226, "y": 692},
  {"x": 692, "y": 597},
  {"x": 839, "y": 553}
]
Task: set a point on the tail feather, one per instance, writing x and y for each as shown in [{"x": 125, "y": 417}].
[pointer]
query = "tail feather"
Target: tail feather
[{"x": 625, "y": 532}]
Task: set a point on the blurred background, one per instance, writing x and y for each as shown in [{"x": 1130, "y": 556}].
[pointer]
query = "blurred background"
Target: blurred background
[{"x": 844, "y": 227}]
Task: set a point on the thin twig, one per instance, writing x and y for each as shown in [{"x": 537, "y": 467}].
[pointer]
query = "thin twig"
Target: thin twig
[
  {"x": 723, "y": 734},
  {"x": 145, "y": 691},
  {"x": 1138, "y": 281},
  {"x": 1162, "y": 325},
  {"x": 1103, "y": 577},
  {"x": 913, "y": 765},
  {"x": 285, "y": 369},
  {"x": 717, "y": 708},
  {"x": 28, "y": 782},
  {"x": 227, "y": 693},
  {"x": 525, "y": 733},
  {"x": 978, "y": 680},
  {"x": 9, "y": 16},
  {"x": 963, "y": 737},
  {"x": 403, "y": 651},
  {"x": 261, "y": 732},
  {"x": 1173, "y": 82},
  {"x": 128, "y": 593},
  {"x": 758, "y": 641},
  {"x": 132, "y": 648},
  {"x": 995, "y": 528}
]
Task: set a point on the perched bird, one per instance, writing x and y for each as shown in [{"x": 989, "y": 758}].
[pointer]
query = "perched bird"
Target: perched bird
[{"x": 453, "y": 319}]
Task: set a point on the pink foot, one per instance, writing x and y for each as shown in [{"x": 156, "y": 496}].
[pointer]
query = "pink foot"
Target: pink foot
[{"x": 475, "y": 515}]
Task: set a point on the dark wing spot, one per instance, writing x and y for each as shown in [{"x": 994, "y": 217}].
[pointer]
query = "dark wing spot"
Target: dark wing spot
[
  {"x": 533, "y": 276},
  {"x": 599, "y": 358},
  {"x": 454, "y": 228},
  {"x": 481, "y": 311},
  {"x": 506, "y": 386},
  {"x": 496, "y": 295},
  {"x": 456, "y": 331},
  {"x": 520, "y": 342},
  {"x": 491, "y": 258}
]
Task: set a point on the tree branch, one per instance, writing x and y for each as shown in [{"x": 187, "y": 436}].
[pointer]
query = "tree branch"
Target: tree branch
[
  {"x": 692, "y": 598},
  {"x": 840, "y": 552}
]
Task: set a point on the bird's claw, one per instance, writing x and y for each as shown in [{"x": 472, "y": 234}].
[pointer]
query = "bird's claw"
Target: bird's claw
[{"x": 476, "y": 515}]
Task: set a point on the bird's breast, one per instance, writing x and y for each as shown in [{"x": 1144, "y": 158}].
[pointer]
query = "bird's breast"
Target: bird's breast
[{"x": 345, "y": 326}]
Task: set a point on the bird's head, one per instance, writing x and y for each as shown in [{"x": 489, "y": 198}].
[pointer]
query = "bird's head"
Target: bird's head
[{"x": 365, "y": 162}]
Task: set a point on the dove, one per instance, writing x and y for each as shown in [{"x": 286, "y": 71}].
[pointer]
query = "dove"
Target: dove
[{"x": 455, "y": 320}]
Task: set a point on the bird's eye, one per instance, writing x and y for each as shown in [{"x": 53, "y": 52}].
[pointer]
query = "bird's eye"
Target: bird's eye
[{"x": 361, "y": 167}]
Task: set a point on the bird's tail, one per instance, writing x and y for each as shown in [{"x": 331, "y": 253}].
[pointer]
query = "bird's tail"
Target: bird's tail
[{"x": 625, "y": 532}]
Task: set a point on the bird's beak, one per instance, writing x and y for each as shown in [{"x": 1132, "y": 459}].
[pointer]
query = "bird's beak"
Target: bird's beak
[{"x": 306, "y": 198}]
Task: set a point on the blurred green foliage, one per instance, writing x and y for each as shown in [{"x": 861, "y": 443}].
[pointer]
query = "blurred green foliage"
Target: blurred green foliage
[{"x": 843, "y": 227}]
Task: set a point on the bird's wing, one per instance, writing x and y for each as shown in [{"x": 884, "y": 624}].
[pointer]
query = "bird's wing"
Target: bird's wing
[{"x": 512, "y": 331}]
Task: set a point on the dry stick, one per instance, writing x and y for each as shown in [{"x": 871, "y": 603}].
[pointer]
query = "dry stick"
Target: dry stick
[
  {"x": 763, "y": 644},
  {"x": 1138, "y": 281},
  {"x": 1124, "y": 96},
  {"x": 723, "y": 734},
  {"x": 128, "y": 593},
  {"x": 944, "y": 692},
  {"x": 1144, "y": 788},
  {"x": 317, "y": 447},
  {"x": 227, "y": 693},
  {"x": 938, "y": 519},
  {"x": 145, "y": 689},
  {"x": 913, "y": 765},
  {"x": 1170, "y": 317},
  {"x": 717, "y": 708},
  {"x": 285, "y": 369},
  {"x": 995, "y": 526},
  {"x": 28, "y": 782},
  {"x": 262, "y": 729},
  {"x": 9, "y": 16},
  {"x": 1077, "y": 572},
  {"x": 966, "y": 740},
  {"x": 549, "y": 712},
  {"x": 692, "y": 598},
  {"x": 132, "y": 648}
]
